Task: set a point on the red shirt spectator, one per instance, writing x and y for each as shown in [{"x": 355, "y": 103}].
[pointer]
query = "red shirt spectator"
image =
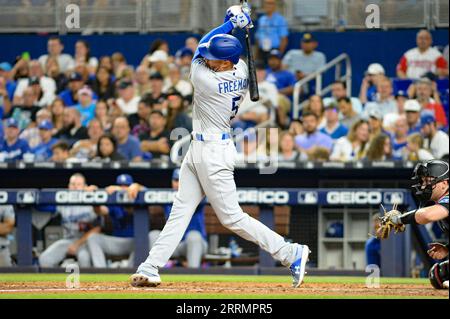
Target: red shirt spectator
[{"x": 424, "y": 95}]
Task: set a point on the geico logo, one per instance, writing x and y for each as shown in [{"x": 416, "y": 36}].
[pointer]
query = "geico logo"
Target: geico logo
[
  {"x": 151, "y": 197},
  {"x": 3, "y": 197},
  {"x": 81, "y": 197},
  {"x": 263, "y": 197},
  {"x": 354, "y": 197}
]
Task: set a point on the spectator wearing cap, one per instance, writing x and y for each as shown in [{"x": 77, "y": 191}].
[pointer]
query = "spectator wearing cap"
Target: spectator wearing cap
[
  {"x": 399, "y": 139},
  {"x": 47, "y": 85},
  {"x": 31, "y": 133},
  {"x": 312, "y": 137},
  {"x": 5, "y": 102},
  {"x": 157, "y": 95},
  {"x": 306, "y": 60},
  {"x": 12, "y": 148},
  {"x": 375, "y": 120},
  {"x": 127, "y": 144},
  {"x": 339, "y": 90},
  {"x": 400, "y": 98},
  {"x": 183, "y": 59},
  {"x": 347, "y": 115},
  {"x": 428, "y": 97},
  {"x": 283, "y": 79},
  {"x": 103, "y": 84},
  {"x": 252, "y": 113},
  {"x": 10, "y": 85},
  {"x": 142, "y": 81},
  {"x": 43, "y": 151},
  {"x": 412, "y": 111},
  {"x": 107, "y": 149},
  {"x": 55, "y": 48},
  {"x": 174, "y": 82},
  {"x": 72, "y": 130},
  {"x": 416, "y": 152},
  {"x": 193, "y": 245},
  {"x": 157, "y": 141},
  {"x": 368, "y": 91},
  {"x": 84, "y": 150},
  {"x": 385, "y": 101},
  {"x": 333, "y": 128},
  {"x": 139, "y": 122},
  {"x": 434, "y": 139},
  {"x": 272, "y": 31},
  {"x": 158, "y": 62},
  {"x": 25, "y": 113},
  {"x": 127, "y": 101},
  {"x": 121, "y": 241},
  {"x": 422, "y": 59},
  {"x": 176, "y": 115},
  {"x": 354, "y": 146},
  {"x": 70, "y": 95},
  {"x": 86, "y": 107},
  {"x": 380, "y": 148}
]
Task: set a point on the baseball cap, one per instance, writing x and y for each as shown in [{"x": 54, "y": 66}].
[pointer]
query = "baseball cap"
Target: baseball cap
[
  {"x": 412, "y": 106},
  {"x": 156, "y": 76},
  {"x": 308, "y": 37},
  {"x": 74, "y": 76},
  {"x": 331, "y": 106},
  {"x": 375, "y": 68},
  {"x": 45, "y": 125},
  {"x": 12, "y": 122},
  {"x": 427, "y": 118},
  {"x": 34, "y": 80},
  {"x": 124, "y": 179},
  {"x": 176, "y": 174},
  {"x": 401, "y": 93},
  {"x": 5, "y": 66},
  {"x": 174, "y": 93},
  {"x": 184, "y": 52},
  {"x": 275, "y": 53},
  {"x": 158, "y": 55},
  {"x": 375, "y": 114},
  {"x": 124, "y": 84},
  {"x": 85, "y": 91}
]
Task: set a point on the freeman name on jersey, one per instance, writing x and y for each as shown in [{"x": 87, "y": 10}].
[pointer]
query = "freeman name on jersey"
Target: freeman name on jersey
[{"x": 233, "y": 86}]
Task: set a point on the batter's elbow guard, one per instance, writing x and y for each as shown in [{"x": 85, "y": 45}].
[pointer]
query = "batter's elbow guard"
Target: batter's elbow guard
[{"x": 438, "y": 274}]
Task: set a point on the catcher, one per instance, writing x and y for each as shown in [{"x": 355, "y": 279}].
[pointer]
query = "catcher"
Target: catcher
[{"x": 431, "y": 189}]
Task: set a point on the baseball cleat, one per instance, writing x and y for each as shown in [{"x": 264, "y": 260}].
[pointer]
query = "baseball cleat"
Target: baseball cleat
[
  {"x": 445, "y": 284},
  {"x": 298, "y": 266},
  {"x": 141, "y": 280}
]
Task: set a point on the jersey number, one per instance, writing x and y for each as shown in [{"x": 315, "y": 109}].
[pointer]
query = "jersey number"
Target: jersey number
[{"x": 235, "y": 106}]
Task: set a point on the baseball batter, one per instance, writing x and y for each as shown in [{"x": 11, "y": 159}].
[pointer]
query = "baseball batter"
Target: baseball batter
[{"x": 220, "y": 81}]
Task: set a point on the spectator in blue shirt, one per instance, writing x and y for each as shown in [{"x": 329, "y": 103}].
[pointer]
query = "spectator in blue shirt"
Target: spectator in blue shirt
[
  {"x": 412, "y": 110},
  {"x": 312, "y": 138},
  {"x": 127, "y": 144},
  {"x": 272, "y": 31},
  {"x": 368, "y": 91},
  {"x": 333, "y": 128},
  {"x": 194, "y": 244},
  {"x": 10, "y": 85},
  {"x": 43, "y": 151},
  {"x": 86, "y": 105},
  {"x": 283, "y": 79},
  {"x": 373, "y": 246},
  {"x": 70, "y": 95},
  {"x": 400, "y": 139},
  {"x": 13, "y": 148}
]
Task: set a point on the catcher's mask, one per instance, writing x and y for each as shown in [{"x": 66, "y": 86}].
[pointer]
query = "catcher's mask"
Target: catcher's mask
[{"x": 426, "y": 175}]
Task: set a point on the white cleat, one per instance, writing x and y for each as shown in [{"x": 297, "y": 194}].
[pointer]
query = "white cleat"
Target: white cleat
[
  {"x": 298, "y": 266},
  {"x": 141, "y": 280},
  {"x": 445, "y": 284}
]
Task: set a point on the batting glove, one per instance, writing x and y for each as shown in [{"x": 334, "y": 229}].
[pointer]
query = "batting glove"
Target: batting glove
[
  {"x": 241, "y": 20},
  {"x": 232, "y": 12}
]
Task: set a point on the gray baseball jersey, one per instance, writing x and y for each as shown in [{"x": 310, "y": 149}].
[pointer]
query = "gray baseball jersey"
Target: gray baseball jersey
[
  {"x": 6, "y": 212},
  {"x": 75, "y": 219}
]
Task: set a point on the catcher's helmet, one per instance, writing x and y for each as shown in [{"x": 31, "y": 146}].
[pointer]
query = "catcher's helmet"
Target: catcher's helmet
[
  {"x": 221, "y": 47},
  {"x": 436, "y": 170}
]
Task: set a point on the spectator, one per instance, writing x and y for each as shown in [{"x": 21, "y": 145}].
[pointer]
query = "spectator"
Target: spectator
[
  {"x": 54, "y": 49},
  {"x": 127, "y": 145},
  {"x": 157, "y": 96},
  {"x": 424, "y": 92},
  {"x": 7, "y": 221},
  {"x": 70, "y": 95},
  {"x": 399, "y": 140},
  {"x": 102, "y": 114},
  {"x": 60, "y": 152},
  {"x": 83, "y": 56},
  {"x": 156, "y": 45},
  {"x": 288, "y": 153},
  {"x": 175, "y": 82},
  {"x": 86, "y": 107},
  {"x": 25, "y": 113},
  {"x": 380, "y": 148},
  {"x": 157, "y": 140},
  {"x": 312, "y": 137},
  {"x": 319, "y": 154},
  {"x": 385, "y": 101},
  {"x": 31, "y": 133},
  {"x": 348, "y": 116},
  {"x": 5, "y": 73},
  {"x": 142, "y": 81},
  {"x": 119, "y": 64},
  {"x": 87, "y": 149},
  {"x": 103, "y": 84},
  {"x": 296, "y": 127},
  {"x": 315, "y": 105},
  {"x": 107, "y": 149},
  {"x": 339, "y": 90},
  {"x": 368, "y": 91},
  {"x": 5, "y": 102},
  {"x": 333, "y": 128},
  {"x": 183, "y": 61},
  {"x": 373, "y": 244},
  {"x": 107, "y": 63},
  {"x": 272, "y": 31},
  {"x": 78, "y": 223},
  {"x": 57, "y": 112},
  {"x": 72, "y": 130},
  {"x": 191, "y": 43},
  {"x": 139, "y": 122},
  {"x": 353, "y": 146},
  {"x": 375, "y": 123},
  {"x": 283, "y": 79},
  {"x": 176, "y": 116},
  {"x": 47, "y": 85},
  {"x": 194, "y": 243},
  {"x": 416, "y": 152},
  {"x": 422, "y": 59},
  {"x": 158, "y": 62},
  {"x": 52, "y": 71},
  {"x": 127, "y": 101},
  {"x": 121, "y": 242},
  {"x": 306, "y": 60},
  {"x": 445, "y": 54},
  {"x": 412, "y": 110},
  {"x": 43, "y": 151},
  {"x": 400, "y": 98},
  {"x": 13, "y": 148},
  {"x": 435, "y": 140}
]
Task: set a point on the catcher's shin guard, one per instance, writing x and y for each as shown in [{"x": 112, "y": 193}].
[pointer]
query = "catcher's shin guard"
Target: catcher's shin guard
[{"x": 438, "y": 274}]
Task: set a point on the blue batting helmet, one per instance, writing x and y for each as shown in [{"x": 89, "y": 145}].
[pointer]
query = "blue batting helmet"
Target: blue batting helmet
[{"x": 221, "y": 47}]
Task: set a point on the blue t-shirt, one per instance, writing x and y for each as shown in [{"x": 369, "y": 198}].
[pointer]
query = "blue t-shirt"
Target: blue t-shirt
[
  {"x": 197, "y": 222},
  {"x": 271, "y": 29},
  {"x": 397, "y": 149},
  {"x": 307, "y": 141},
  {"x": 373, "y": 248},
  {"x": 339, "y": 131},
  {"x": 43, "y": 151},
  {"x": 415, "y": 129},
  {"x": 15, "y": 151},
  {"x": 87, "y": 113},
  {"x": 122, "y": 222},
  {"x": 282, "y": 79},
  {"x": 372, "y": 93},
  {"x": 67, "y": 97},
  {"x": 130, "y": 149}
]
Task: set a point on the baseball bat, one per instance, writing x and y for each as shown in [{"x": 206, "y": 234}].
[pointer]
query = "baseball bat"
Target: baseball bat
[{"x": 253, "y": 82}]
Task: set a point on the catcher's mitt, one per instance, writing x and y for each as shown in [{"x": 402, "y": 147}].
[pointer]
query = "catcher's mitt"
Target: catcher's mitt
[{"x": 388, "y": 222}]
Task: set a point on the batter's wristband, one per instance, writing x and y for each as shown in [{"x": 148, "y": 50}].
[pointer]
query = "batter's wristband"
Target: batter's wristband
[{"x": 409, "y": 217}]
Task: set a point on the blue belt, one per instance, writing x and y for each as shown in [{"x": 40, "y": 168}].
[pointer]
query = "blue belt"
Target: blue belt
[{"x": 203, "y": 137}]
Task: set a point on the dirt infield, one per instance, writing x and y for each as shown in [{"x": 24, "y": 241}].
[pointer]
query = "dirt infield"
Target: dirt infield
[{"x": 228, "y": 288}]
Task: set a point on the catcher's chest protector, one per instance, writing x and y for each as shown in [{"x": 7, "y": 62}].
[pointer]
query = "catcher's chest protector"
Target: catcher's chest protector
[{"x": 443, "y": 224}]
